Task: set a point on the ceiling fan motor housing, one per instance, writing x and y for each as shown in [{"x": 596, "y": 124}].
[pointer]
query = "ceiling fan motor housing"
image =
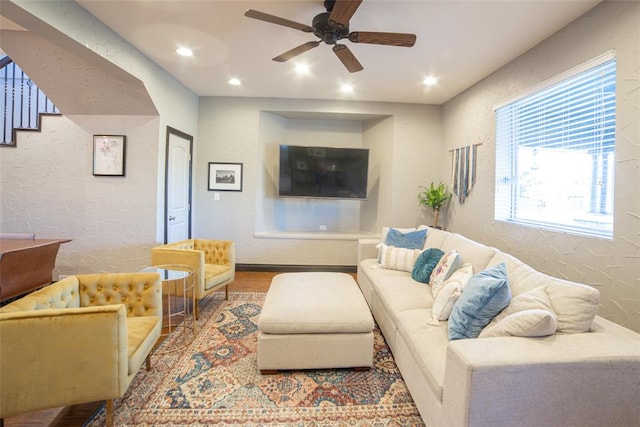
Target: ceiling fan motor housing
[{"x": 324, "y": 30}]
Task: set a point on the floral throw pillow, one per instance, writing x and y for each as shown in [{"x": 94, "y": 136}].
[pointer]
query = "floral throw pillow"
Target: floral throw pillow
[
  {"x": 450, "y": 292},
  {"x": 449, "y": 263}
]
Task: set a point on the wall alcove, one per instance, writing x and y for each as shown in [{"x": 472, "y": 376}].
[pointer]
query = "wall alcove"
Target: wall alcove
[{"x": 305, "y": 218}]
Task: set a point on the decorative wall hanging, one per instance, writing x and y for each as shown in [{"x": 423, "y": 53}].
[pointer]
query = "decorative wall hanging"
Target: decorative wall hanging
[
  {"x": 109, "y": 155},
  {"x": 225, "y": 176},
  {"x": 463, "y": 170}
]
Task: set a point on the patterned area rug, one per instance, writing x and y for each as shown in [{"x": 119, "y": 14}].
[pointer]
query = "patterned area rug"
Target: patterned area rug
[{"x": 215, "y": 381}]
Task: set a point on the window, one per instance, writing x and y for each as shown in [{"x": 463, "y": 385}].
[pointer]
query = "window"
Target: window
[{"x": 555, "y": 149}]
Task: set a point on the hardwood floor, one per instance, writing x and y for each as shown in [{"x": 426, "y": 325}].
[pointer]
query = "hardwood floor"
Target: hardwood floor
[{"x": 77, "y": 415}]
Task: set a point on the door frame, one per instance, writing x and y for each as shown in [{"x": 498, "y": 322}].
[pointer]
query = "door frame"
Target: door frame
[{"x": 176, "y": 132}]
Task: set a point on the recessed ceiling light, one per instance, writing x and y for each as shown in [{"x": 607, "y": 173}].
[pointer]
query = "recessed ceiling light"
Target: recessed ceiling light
[
  {"x": 346, "y": 88},
  {"x": 302, "y": 68},
  {"x": 235, "y": 82},
  {"x": 184, "y": 51},
  {"x": 430, "y": 81}
]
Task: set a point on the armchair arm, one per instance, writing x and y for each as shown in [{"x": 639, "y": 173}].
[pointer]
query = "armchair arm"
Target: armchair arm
[
  {"x": 60, "y": 357},
  {"x": 141, "y": 293},
  {"x": 191, "y": 257},
  {"x": 566, "y": 379}
]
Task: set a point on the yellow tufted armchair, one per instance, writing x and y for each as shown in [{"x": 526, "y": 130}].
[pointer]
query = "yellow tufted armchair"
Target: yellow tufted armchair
[
  {"x": 213, "y": 262},
  {"x": 79, "y": 340}
]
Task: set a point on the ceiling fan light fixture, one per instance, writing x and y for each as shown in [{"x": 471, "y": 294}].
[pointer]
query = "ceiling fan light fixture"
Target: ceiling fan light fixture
[
  {"x": 430, "y": 80},
  {"x": 302, "y": 68},
  {"x": 346, "y": 88},
  {"x": 184, "y": 51}
]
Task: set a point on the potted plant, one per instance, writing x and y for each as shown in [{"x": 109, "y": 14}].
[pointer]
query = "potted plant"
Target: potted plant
[{"x": 434, "y": 197}]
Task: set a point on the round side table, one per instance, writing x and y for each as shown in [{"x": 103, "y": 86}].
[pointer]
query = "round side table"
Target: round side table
[{"x": 178, "y": 287}]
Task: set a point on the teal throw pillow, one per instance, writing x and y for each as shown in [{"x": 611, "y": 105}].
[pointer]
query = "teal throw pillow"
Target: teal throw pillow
[
  {"x": 486, "y": 294},
  {"x": 410, "y": 240},
  {"x": 425, "y": 263}
]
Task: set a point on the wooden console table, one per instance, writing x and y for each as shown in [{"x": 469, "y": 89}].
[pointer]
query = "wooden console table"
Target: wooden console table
[{"x": 26, "y": 265}]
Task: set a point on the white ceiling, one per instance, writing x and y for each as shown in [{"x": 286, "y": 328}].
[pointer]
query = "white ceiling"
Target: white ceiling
[{"x": 458, "y": 41}]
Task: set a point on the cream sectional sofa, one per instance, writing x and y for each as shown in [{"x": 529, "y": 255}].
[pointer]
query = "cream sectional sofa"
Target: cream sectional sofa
[{"x": 570, "y": 378}]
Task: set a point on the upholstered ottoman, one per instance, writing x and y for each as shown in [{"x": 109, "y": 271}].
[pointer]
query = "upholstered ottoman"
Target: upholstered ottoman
[{"x": 314, "y": 321}]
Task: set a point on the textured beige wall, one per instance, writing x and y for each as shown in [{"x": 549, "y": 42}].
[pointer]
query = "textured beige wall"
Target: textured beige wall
[
  {"x": 47, "y": 184},
  {"x": 177, "y": 106},
  {"x": 234, "y": 130},
  {"x": 48, "y": 188},
  {"x": 613, "y": 267}
]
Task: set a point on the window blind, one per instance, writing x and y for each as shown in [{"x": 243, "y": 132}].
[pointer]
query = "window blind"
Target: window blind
[{"x": 555, "y": 148}]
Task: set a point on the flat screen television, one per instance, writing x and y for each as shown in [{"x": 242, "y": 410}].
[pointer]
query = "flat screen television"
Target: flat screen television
[{"x": 323, "y": 172}]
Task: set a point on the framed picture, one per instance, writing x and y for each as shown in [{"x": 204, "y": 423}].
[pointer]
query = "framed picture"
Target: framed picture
[
  {"x": 225, "y": 176},
  {"x": 108, "y": 155}
]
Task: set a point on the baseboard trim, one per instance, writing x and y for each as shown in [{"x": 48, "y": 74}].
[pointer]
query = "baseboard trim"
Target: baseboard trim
[{"x": 296, "y": 268}]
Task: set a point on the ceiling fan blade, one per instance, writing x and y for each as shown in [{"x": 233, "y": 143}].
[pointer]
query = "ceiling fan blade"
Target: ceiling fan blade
[
  {"x": 347, "y": 58},
  {"x": 343, "y": 10},
  {"x": 250, "y": 13},
  {"x": 296, "y": 51},
  {"x": 389, "y": 39}
]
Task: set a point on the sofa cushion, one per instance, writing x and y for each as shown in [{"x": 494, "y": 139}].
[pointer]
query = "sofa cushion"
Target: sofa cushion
[
  {"x": 142, "y": 333},
  {"x": 445, "y": 267},
  {"x": 518, "y": 272},
  {"x": 397, "y": 258},
  {"x": 450, "y": 292},
  {"x": 215, "y": 274},
  {"x": 410, "y": 240},
  {"x": 477, "y": 254},
  {"x": 425, "y": 263},
  {"x": 428, "y": 343},
  {"x": 575, "y": 305},
  {"x": 396, "y": 289},
  {"x": 487, "y": 293},
  {"x": 435, "y": 238},
  {"x": 528, "y": 315}
]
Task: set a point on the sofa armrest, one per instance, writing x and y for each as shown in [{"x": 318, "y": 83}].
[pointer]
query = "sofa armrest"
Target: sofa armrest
[
  {"x": 141, "y": 293},
  {"x": 526, "y": 381},
  {"x": 367, "y": 249},
  {"x": 60, "y": 357}
]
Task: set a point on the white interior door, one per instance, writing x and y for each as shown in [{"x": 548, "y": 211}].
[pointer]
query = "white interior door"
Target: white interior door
[{"x": 178, "y": 186}]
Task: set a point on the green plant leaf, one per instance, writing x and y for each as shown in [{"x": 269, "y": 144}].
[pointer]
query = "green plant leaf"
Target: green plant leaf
[{"x": 434, "y": 196}]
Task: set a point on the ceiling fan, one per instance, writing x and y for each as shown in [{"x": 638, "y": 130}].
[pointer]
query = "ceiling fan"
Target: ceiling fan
[{"x": 331, "y": 26}]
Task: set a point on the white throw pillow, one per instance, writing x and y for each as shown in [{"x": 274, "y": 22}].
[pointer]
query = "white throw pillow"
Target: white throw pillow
[
  {"x": 574, "y": 304},
  {"x": 450, "y": 292},
  {"x": 527, "y": 323},
  {"x": 528, "y": 315},
  {"x": 449, "y": 263},
  {"x": 397, "y": 258}
]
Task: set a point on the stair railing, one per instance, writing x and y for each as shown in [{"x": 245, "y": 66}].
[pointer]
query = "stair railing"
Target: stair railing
[{"x": 22, "y": 102}]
